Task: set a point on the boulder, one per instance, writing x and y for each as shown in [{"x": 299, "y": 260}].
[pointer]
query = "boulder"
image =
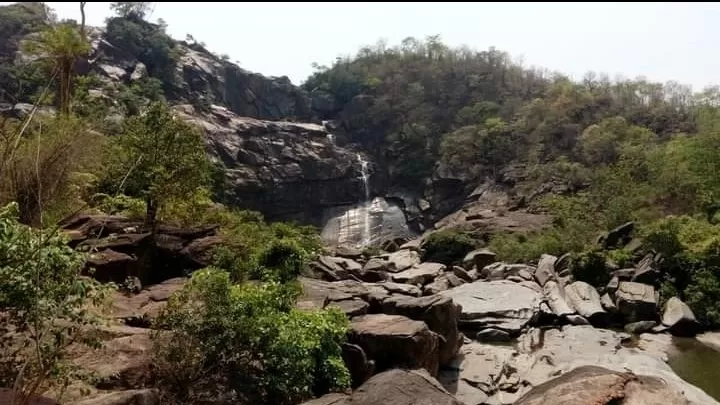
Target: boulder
[
  {"x": 420, "y": 274},
  {"x": 586, "y": 301},
  {"x": 358, "y": 365},
  {"x": 640, "y": 327},
  {"x": 129, "y": 397},
  {"x": 330, "y": 399},
  {"x": 646, "y": 272},
  {"x": 348, "y": 252},
  {"x": 608, "y": 304},
  {"x": 502, "y": 271},
  {"x": 679, "y": 318},
  {"x": 592, "y": 385},
  {"x": 109, "y": 265},
  {"x": 443, "y": 282},
  {"x": 501, "y": 305},
  {"x": 555, "y": 296},
  {"x": 618, "y": 237},
  {"x": 121, "y": 363},
  {"x": 478, "y": 258},
  {"x": 352, "y": 307},
  {"x": 546, "y": 269},
  {"x": 396, "y": 341},
  {"x": 200, "y": 250},
  {"x": 636, "y": 302},
  {"x": 403, "y": 387},
  {"x": 464, "y": 274},
  {"x": 402, "y": 260},
  {"x": 439, "y": 313}
]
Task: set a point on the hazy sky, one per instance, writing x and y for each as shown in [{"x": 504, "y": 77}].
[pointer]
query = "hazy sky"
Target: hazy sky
[{"x": 661, "y": 41}]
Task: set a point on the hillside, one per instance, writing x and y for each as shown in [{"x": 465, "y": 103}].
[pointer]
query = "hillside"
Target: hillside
[{"x": 424, "y": 172}]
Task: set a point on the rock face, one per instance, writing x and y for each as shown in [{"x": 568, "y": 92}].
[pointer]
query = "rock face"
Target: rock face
[
  {"x": 122, "y": 248},
  {"x": 502, "y": 305},
  {"x": 396, "y": 341}
]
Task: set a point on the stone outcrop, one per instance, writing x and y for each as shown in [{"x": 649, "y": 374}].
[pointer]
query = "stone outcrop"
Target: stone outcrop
[
  {"x": 679, "y": 318},
  {"x": 636, "y": 302},
  {"x": 503, "y": 305},
  {"x": 394, "y": 341}
]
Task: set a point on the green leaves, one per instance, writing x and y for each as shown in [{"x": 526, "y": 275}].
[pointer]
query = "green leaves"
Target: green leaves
[{"x": 248, "y": 341}]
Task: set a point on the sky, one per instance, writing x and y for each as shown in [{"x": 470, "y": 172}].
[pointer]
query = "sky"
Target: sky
[{"x": 659, "y": 41}]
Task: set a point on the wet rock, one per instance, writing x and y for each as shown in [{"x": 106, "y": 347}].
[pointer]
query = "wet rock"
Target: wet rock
[
  {"x": 421, "y": 274},
  {"x": 501, "y": 305},
  {"x": 640, "y": 327},
  {"x": 396, "y": 341},
  {"x": 679, "y": 318},
  {"x": 636, "y": 302},
  {"x": 546, "y": 269},
  {"x": 439, "y": 313},
  {"x": 586, "y": 301},
  {"x": 403, "y": 387},
  {"x": 479, "y": 258}
]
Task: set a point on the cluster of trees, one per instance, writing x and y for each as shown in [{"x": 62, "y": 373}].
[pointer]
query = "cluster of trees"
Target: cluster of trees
[{"x": 232, "y": 332}]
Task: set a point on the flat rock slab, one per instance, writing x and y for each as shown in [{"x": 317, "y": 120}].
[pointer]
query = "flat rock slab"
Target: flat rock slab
[
  {"x": 419, "y": 275},
  {"x": 403, "y": 387},
  {"x": 394, "y": 341},
  {"x": 502, "y": 304}
]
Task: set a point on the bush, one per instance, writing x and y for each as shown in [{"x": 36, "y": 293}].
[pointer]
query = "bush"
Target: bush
[
  {"x": 246, "y": 343},
  {"x": 448, "y": 247},
  {"x": 590, "y": 267},
  {"x": 44, "y": 304}
]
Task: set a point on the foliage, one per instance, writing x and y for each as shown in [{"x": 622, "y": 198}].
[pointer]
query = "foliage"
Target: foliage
[
  {"x": 159, "y": 158},
  {"x": 690, "y": 248},
  {"x": 448, "y": 247},
  {"x": 246, "y": 343},
  {"x": 130, "y": 9},
  {"x": 46, "y": 307},
  {"x": 40, "y": 167},
  {"x": 148, "y": 43}
]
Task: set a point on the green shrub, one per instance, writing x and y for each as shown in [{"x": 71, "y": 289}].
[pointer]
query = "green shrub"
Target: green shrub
[
  {"x": 447, "y": 247},
  {"x": 247, "y": 344},
  {"x": 590, "y": 267},
  {"x": 45, "y": 307}
]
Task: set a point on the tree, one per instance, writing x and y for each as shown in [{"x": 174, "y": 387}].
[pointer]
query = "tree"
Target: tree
[
  {"x": 131, "y": 9},
  {"x": 163, "y": 158},
  {"x": 45, "y": 307},
  {"x": 62, "y": 45}
]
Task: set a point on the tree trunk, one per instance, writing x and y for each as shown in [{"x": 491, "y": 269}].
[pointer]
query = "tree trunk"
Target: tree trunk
[{"x": 151, "y": 214}]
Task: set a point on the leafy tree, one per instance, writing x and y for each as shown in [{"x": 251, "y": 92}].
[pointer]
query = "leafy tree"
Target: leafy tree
[
  {"x": 447, "y": 246},
  {"x": 160, "y": 158},
  {"x": 247, "y": 343},
  {"x": 46, "y": 307},
  {"x": 62, "y": 45},
  {"x": 131, "y": 9}
]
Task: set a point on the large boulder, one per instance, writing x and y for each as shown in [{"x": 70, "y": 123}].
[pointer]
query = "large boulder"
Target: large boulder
[
  {"x": 586, "y": 301},
  {"x": 396, "y": 341},
  {"x": 401, "y": 260},
  {"x": 403, "y": 387},
  {"x": 546, "y": 269},
  {"x": 420, "y": 274},
  {"x": 636, "y": 302},
  {"x": 439, "y": 313},
  {"x": 503, "y": 305},
  {"x": 680, "y": 318},
  {"x": 478, "y": 258},
  {"x": 591, "y": 385},
  {"x": 555, "y": 296}
]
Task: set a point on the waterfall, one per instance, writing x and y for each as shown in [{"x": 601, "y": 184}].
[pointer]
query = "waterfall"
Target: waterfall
[{"x": 365, "y": 173}]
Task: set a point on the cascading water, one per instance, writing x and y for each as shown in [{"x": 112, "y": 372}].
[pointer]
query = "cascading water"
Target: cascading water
[{"x": 365, "y": 173}]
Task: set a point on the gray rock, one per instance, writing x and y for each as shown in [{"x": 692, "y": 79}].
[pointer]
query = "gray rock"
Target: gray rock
[
  {"x": 555, "y": 297},
  {"x": 463, "y": 274},
  {"x": 359, "y": 366},
  {"x": 348, "y": 252},
  {"x": 330, "y": 399},
  {"x": 645, "y": 272},
  {"x": 636, "y": 302},
  {"x": 608, "y": 304},
  {"x": 479, "y": 258},
  {"x": 403, "y": 387},
  {"x": 439, "y": 313},
  {"x": 586, "y": 301},
  {"x": 443, "y": 282},
  {"x": 404, "y": 289},
  {"x": 492, "y": 335},
  {"x": 421, "y": 274},
  {"x": 546, "y": 269},
  {"x": 502, "y": 271},
  {"x": 613, "y": 284},
  {"x": 501, "y": 304},
  {"x": 394, "y": 341},
  {"x": 679, "y": 318},
  {"x": 640, "y": 327},
  {"x": 402, "y": 260},
  {"x": 352, "y": 307}
]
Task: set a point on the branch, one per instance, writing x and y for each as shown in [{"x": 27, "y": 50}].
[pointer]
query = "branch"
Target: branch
[{"x": 82, "y": 20}]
